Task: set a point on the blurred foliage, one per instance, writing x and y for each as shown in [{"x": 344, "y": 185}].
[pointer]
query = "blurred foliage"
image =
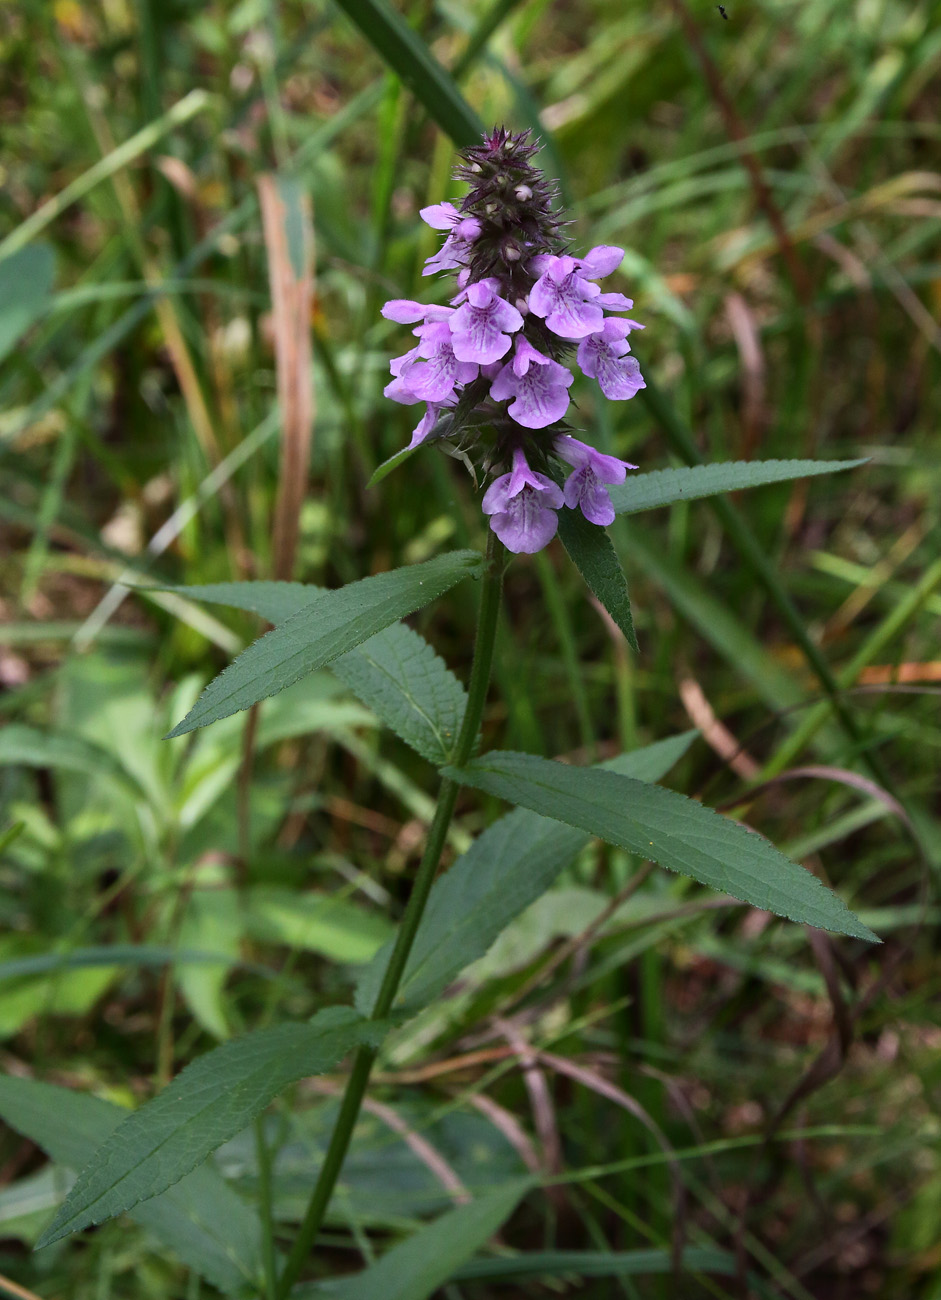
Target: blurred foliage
[{"x": 774, "y": 175}]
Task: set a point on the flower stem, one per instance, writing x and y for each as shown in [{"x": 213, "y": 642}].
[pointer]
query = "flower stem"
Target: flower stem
[{"x": 487, "y": 615}]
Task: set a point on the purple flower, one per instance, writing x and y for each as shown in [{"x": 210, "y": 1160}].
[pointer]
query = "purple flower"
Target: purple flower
[
  {"x": 523, "y": 507},
  {"x": 603, "y": 356},
  {"x": 565, "y": 296},
  {"x": 445, "y": 216},
  {"x": 592, "y": 470},
  {"x": 481, "y": 326},
  {"x": 538, "y": 385},
  {"x": 455, "y": 250},
  {"x": 427, "y": 423},
  {"x": 432, "y": 379}
]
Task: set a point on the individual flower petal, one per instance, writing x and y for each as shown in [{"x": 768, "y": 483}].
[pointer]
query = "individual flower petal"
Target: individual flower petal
[
  {"x": 602, "y": 356},
  {"x": 585, "y": 487},
  {"x": 616, "y": 302},
  {"x": 398, "y": 364},
  {"x": 522, "y": 506},
  {"x": 562, "y": 297},
  {"x": 440, "y": 216},
  {"x": 425, "y": 425},
  {"x": 399, "y": 389},
  {"x": 481, "y": 327},
  {"x": 404, "y": 310},
  {"x": 445, "y": 216},
  {"x": 538, "y": 385},
  {"x": 601, "y": 261}
]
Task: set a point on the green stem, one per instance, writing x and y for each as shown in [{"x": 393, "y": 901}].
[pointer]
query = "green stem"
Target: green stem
[
  {"x": 267, "y": 1219},
  {"x": 487, "y": 616}
]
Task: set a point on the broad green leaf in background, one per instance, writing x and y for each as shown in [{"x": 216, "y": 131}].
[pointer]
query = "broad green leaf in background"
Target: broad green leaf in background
[
  {"x": 210, "y": 923},
  {"x": 506, "y": 868},
  {"x": 323, "y": 630},
  {"x": 335, "y": 927},
  {"x": 395, "y": 672},
  {"x": 664, "y": 486},
  {"x": 24, "y": 746},
  {"x": 667, "y": 828},
  {"x": 200, "y": 1219},
  {"x": 593, "y": 554},
  {"x": 417, "y": 1267},
  {"x": 25, "y": 284},
  {"x": 211, "y": 1100}
]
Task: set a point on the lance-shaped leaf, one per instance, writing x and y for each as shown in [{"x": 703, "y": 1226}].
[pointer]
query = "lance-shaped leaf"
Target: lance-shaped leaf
[
  {"x": 508, "y": 867},
  {"x": 418, "y": 1266},
  {"x": 396, "y": 672},
  {"x": 664, "y": 486},
  {"x": 593, "y": 554},
  {"x": 25, "y": 281},
  {"x": 322, "y": 630},
  {"x": 404, "y": 51},
  {"x": 667, "y": 828},
  {"x": 214, "y": 1098},
  {"x": 200, "y": 1219}
]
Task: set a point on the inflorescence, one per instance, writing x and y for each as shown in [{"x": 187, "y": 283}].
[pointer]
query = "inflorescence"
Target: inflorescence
[{"x": 494, "y": 359}]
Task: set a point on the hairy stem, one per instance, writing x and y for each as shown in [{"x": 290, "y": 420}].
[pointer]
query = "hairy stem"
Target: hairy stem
[{"x": 364, "y": 1059}]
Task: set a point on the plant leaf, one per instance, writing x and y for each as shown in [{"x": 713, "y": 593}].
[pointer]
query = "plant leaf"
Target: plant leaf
[
  {"x": 664, "y": 486},
  {"x": 506, "y": 868},
  {"x": 418, "y": 1266},
  {"x": 335, "y": 927},
  {"x": 200, "y": 1219},
  {"x": 25, "y": 282},
  {"x": 596, "y": 1263},
  {"x": 24, "y": 746},
  {"x": 391, "y": 463},
  {"x": 593, "y": 554},
  {"x": 321, "y": 631},
  {"x": 211, "y": 1100},
  {"x": 395, "y": 673},
  {"x": 668, "y": 828},
  {"x": 401, "y": 678},
  {"x": 403, "y": 50}
]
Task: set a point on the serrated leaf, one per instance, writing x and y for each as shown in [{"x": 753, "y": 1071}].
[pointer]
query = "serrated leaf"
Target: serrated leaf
[
  {"x": 25, "y": 281},
  {"x": 401, "y": 678},
  {"x": 415, "y": 1268},
  {"x": 667, "y": 828},
  {"x": 504, "y": 871},
  {"x": 396, "y": 672},
  {"x": 663, "y": 487},
  {"x": 211, "y": 1100},
  {"x": 200, "y": 1219},
  {"x": 593, "y": 554},
  {"x": 323, "y": 630}
]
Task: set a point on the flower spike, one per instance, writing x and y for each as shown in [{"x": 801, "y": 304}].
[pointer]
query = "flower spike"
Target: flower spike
[{"x": 494, "y": 366}]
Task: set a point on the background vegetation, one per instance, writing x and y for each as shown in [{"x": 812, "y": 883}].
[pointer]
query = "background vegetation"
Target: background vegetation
[{"x": 773, "y": 172}]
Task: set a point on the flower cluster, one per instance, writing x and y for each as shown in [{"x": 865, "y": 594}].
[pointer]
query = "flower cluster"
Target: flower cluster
[{"x": 494, "y": 358}]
